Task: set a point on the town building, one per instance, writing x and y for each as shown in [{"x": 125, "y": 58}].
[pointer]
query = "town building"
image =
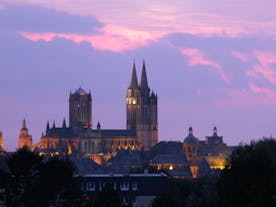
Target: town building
[
  {"x": 196, "y": 159},
  {"x": 137, "y": 190}
]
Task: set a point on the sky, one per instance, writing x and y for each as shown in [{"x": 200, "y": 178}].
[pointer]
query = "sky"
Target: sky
[{"x": 211, "y": 64}]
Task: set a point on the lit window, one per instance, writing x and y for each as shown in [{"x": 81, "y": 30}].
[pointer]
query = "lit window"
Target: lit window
[
  {"x": 171, "y": 167},
  {"x": 134, "y": 101}
]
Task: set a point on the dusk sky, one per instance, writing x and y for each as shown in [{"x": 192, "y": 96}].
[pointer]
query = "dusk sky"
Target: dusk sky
[{"x": 212, "y": 63}]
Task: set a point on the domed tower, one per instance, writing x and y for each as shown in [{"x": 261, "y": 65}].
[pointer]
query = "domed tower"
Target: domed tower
[
  {"x": 80, "y": 110},
  {"x": 25, "y": 139},
  {"x": 191, "y": 145}
]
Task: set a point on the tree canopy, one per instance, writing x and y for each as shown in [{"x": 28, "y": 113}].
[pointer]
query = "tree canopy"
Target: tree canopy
[
  {"x": 249, "y": 176},
  {"x": 36, "y": 181}
]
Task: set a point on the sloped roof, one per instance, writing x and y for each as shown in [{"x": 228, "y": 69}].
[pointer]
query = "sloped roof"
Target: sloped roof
[
  {"x": 60, "y": 132},
  {"x": 118, "y": 133},
  {"x": 80, "y": 90},
  {"x": 190, "y": 139},
  {"x": 175, "y": 158}
]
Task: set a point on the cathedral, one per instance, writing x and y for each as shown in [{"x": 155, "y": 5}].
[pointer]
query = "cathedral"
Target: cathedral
[{"x": 81, "y": 137}]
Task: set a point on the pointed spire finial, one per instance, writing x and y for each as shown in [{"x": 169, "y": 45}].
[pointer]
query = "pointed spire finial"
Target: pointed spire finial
[
  {"x": 47, "y": 126},
  {"x": 98, "y": 126},
  {"x": 24, "y": 124},
  {"x": 134, "y": 82},
  {"x": 64, "y": 123},
  {"x": 54, "y": 125},
  {"x": 144, "y": 80}
]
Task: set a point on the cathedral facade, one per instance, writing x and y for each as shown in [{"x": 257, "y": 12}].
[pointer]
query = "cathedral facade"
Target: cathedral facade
[{"x": 81, "y": 137}]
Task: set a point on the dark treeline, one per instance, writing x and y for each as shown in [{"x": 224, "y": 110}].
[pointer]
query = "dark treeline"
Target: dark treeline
[
  {"x": 31, "y": 180},
  {"x": 248, "y": 180}
]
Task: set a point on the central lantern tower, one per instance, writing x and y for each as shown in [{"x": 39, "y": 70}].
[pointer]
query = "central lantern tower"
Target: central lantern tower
[{"x": 80, "y": 110}]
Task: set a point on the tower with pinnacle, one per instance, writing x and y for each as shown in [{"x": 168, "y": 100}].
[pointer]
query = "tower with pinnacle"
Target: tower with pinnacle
[
  {"x": 25, "y": 139},
  {"x": 80, "y": 110},
  {"x": 142, "y": 110}
]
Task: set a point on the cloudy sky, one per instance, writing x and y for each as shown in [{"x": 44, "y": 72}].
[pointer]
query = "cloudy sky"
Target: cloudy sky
[{"x": 212, "y": 63}]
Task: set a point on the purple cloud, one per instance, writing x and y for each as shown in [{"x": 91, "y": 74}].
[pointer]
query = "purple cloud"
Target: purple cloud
[{"x": 27, "y": 18}]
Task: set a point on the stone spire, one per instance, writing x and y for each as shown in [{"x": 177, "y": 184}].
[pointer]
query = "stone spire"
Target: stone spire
[
  {"x": 144, "y": 81},
  {"x": 25, "y": 139},
  {"x": 134, "y": 82},
  {"x": 63, "y": 123},
  {"x": 48, "y": 126},
  {"x": 54, "y": 125},
  {"x": 98, "y": 126},
  {"x": 24, "y": 124}
]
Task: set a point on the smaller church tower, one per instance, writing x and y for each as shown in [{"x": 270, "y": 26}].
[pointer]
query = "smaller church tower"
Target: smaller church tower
[
  {"x": 191, "y": 145},
  {"x": 80, "y": 110},
  {"x": 1, "y": 141},
  {"x": 25, "y": 139}
]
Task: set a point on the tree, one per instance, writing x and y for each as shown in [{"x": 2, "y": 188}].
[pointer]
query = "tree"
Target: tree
[
  {"x": 189, "y": 193},
  {"x": 56, "y": 185},
  {"x": 36, "y": 181},
  {"x": 249, "y": 176},
  {"x": 23, "y": 170},
  {"x": 164, "y": 200}
]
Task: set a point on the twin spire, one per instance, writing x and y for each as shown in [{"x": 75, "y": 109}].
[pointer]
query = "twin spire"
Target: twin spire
[
  {"x": 134, "y": 82},
  {"x": 144, "y": 81}
]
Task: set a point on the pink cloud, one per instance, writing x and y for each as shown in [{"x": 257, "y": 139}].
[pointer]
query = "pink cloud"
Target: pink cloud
[
  {"x": 265, "y": 57},
  {"x": 196, "y": 57},
  {"x": 265, "y": 66},
  {"x": 247, "y": 97},
  {"x": 241, "y": 56},
  {"x": 204, "y": 18},
  {"x": 262, "y": 90},
  {"x": 112, "y": 38}
]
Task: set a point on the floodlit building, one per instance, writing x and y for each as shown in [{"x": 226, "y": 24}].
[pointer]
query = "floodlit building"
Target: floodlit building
[{"x": 81, "y": 137}]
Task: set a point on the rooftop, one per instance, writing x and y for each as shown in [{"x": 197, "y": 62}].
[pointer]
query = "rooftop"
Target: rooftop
[{"x": 80, "y": 90}]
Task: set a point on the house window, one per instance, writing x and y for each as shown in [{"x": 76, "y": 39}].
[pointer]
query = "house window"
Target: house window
[
  {"x": 124, "y": 186},
  {"x": 134, "y": 186},
  {"x": 90, "y": 186}
]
